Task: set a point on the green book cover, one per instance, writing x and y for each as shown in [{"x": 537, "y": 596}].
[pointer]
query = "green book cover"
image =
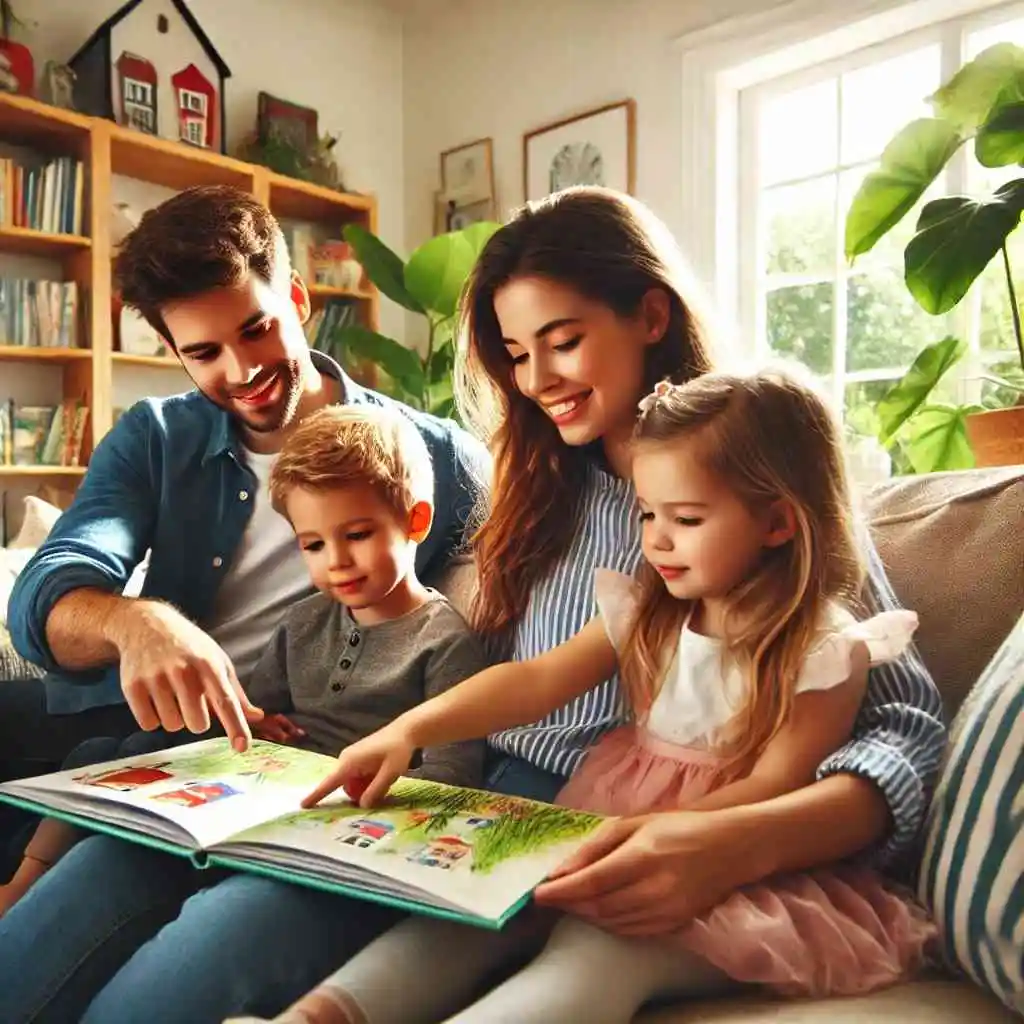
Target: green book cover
[{"x": 462, "y": 854}]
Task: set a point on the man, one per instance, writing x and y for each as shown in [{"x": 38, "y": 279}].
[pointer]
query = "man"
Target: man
[{"x": 184, "y": 479}]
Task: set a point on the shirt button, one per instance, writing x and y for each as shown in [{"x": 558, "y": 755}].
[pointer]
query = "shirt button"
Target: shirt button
[
  {"x": 354, "y": 639},
  {"x": 218, "y": 562},
  {"x": 243, "y": 495},
  {"x": 346, "y": 663},
  {"x": 335, "y": 687}
]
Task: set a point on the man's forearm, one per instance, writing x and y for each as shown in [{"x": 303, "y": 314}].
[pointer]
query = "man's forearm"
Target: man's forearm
[
  {"x": 810, "y": 827},
  {"x": 86, "y": 627}
]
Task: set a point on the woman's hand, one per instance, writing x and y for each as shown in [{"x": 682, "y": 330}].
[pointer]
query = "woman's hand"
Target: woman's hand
[
  {"x": 651, "y": 874},
  {"x": 368, "y": 768}
]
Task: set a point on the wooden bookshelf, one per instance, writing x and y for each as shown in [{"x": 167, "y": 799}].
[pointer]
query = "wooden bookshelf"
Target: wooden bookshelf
[{"x": 107, "y": 150}]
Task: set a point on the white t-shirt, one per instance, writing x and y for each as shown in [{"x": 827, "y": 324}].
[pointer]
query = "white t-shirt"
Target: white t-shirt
[{"x": 267, "y": 577}]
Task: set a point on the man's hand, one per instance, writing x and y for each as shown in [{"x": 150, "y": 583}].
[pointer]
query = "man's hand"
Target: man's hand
[
  {"x": 173, "y": 674},
  {"x": 368, "y": 768},
  {"x": 648, "y": 875},
  {"x": 278, "y": 729}
]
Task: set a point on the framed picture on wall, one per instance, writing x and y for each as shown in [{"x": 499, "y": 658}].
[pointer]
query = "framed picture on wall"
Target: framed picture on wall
[
  {"x": 453, "y": 214},
  {"x": 597, "y": 147},
  {"x": 468, "y": 172}
]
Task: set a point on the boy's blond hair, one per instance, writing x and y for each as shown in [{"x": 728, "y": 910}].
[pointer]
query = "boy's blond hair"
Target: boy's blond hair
[{"x": 343, "y": 445}]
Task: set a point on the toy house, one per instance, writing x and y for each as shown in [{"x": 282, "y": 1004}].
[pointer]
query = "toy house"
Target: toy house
[{"x": 151, "y": 66}]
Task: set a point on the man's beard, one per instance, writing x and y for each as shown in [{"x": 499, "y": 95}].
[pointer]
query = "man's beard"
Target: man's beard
[{"x": 273, "y": 417}]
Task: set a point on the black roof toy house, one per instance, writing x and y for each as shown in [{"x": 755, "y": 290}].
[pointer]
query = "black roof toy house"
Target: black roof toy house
[{"x": 152, "y": 67}]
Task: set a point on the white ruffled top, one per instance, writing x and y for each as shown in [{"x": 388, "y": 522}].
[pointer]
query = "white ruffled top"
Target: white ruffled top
[{"x": 703, "y": 688}]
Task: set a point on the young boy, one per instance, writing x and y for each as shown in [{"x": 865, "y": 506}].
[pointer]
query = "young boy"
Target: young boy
[{"x": 356, "y": 484}]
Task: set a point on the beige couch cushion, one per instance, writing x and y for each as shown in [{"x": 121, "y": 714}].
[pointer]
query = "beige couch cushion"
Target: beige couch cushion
[
  {"x": 953, "y": 544},
  {"x": 923, "y": 1002}
]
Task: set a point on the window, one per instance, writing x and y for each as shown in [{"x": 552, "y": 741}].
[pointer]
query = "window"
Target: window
[
  {"x": 194, "y": 132},
  {"x": 141, "y": 118},
  {"x": 806, "y": 141},
  {"x": 137, "y": 92},
  {"x": 194, "y": 101}
]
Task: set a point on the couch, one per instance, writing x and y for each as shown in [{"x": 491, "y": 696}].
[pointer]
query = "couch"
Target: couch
[{"x": 954, "y": 547}]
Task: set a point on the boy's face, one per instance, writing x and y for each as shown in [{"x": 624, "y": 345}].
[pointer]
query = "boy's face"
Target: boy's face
[
  {"x": 244, "y": 348},
  {"x": 356, "y": 547}
]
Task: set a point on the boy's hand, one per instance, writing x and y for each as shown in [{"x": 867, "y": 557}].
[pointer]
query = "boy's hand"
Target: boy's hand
[
  {"x": 368, "y": 768},
  {"x": 278, "y": 729}
]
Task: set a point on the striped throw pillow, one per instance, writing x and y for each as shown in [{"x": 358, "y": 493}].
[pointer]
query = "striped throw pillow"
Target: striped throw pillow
[{"x": 972, "y": 876}]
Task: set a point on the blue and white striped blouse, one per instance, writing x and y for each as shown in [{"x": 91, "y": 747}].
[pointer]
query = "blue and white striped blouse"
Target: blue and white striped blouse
[{"x": 899, "y": 737}]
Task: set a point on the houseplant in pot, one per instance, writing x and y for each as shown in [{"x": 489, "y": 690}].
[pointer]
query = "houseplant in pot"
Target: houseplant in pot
[
  {"x": 956, "y": 238},
  {"x": 430, "y": 284}
]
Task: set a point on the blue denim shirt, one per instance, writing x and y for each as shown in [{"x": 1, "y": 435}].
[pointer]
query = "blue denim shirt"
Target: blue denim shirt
[{"x": 170, "y": 478}]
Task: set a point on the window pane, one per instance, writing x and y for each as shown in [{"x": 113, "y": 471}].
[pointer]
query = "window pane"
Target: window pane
[
  {"x": 799, "y": 133},
  {"x": 878, "y": 100},
  {"x": 800, "y": 227},
  {"x": 799, "y": 323},
  {"x": 885, "y": 326},
  {"x": 1007, "y": 32},
  {"x": 994, "y": 394},
  {"x": 996, "y": 332},
  {"x": 859, "y": 407}
]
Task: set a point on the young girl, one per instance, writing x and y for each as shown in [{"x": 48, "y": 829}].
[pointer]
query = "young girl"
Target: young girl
[{"x": 743, "y": 667}]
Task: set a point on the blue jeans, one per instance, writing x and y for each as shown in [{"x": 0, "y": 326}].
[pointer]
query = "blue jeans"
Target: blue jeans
[{"x": 117, "y": 933}]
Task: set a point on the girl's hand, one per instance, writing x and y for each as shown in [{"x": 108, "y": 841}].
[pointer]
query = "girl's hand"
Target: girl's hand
[
  {"x": 368, "y": 768},
  {"x": 278, "y": 729},
  {"x": 648, "y": 875}
]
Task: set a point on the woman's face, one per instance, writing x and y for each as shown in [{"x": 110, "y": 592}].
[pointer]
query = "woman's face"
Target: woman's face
[{"x": 577, "y": 359}]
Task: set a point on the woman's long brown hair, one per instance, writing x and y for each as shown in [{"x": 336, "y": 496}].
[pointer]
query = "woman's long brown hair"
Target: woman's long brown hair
[
  {"x": 769, "y": 438},
  {"x": 610, "y": 249}
]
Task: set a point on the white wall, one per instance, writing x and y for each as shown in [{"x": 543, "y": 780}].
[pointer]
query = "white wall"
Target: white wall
[{"x": 477, "y": 68}]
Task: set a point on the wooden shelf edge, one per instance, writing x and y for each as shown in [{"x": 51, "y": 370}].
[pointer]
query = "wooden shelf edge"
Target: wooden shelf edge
[
  {"x": 14, "y": 233},
  {"x": 158, "y": 362},
  {"x": 43, "y": 354},
  {"x": 44, "y": 111},
  {"x": 6, "y": 470},
  {"x": 282, "y": 183}
]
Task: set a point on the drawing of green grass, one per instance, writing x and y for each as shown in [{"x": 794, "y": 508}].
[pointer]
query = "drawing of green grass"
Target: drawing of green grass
[{"x": 517, "y": 829}]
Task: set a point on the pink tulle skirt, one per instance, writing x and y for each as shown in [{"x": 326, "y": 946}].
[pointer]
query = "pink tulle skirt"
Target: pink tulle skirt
[{"x": 840, "y": 931}]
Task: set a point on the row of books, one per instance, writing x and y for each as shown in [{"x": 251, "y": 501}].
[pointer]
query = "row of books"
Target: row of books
[
  {"x": 42, "y": 435},
  {"x": 43, "y": 195},
  {"x": 325, "y": 321},
  {"x": 39, "y": 313}
]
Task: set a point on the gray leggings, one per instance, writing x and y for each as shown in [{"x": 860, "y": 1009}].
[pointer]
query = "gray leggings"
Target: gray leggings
[{"x": 424, "y": 971}]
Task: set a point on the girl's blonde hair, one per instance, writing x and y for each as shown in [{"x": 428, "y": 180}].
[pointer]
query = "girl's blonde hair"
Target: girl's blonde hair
[
  {"x": 770, "y": 439},
  {"x": 611, "y": 249}
]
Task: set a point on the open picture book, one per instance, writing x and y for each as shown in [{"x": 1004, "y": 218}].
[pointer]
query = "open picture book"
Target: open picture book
[{"x": 430, "y": 848}]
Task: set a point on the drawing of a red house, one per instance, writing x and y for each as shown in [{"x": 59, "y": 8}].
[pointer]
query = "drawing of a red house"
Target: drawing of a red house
[
  {"x": 137, "y": 78},
  {"x": 196, "y": 101}
]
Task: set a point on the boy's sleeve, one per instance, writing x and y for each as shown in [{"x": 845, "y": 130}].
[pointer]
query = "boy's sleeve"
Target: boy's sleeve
[
  {"x": 267, "y": 686},
  {"x": 459, "y": 764},
  {"x": 97, "y": 542}
]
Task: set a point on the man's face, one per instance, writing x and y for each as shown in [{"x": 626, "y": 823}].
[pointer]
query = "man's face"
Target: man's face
[{"x": 244, "y": 348}]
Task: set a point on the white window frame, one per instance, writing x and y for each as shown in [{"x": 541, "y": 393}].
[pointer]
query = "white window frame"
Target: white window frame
[
  {"x": 719, "y": 62},
  {"x": 193, "y": 102},
  {"x": 199, "y": 124}
]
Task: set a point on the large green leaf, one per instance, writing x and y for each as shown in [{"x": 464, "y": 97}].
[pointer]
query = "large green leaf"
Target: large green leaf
[
  {"x": 937, "y": 439},
  {"x": 968, "y": 98},
  {"x": 912, "y": 390},
  {"x": 438, "y": 269},
  {"x": 442, "y": 361},
  {"x": 955, "y": 241},
  {"x": 401, "y": 364},
  {"x": 1000, "y": 140},
  {"x": 384, "y": 267},
  {"x": 910, "y": 163}
]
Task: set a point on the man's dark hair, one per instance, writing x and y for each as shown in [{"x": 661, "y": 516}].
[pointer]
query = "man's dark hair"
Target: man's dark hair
[{"x": 207, "y": 237}]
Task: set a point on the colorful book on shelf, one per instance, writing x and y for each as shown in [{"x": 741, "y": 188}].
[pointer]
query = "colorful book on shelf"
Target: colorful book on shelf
[
  {"x": 38, "y": 314},
  {"x": 43, "y": 435},
  {"x": 433, "y": 849},
  {"x": 42, "y": 194}
]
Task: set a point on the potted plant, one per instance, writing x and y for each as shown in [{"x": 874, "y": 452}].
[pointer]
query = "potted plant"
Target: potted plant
[
  {"x": 430, "y": 284},
  {"x": 956, "y": 238}
]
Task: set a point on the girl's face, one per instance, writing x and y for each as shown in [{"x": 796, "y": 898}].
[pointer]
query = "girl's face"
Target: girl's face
[
  {"x": 576, "y": 358},
  {"x": 702, "y": 539}
]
